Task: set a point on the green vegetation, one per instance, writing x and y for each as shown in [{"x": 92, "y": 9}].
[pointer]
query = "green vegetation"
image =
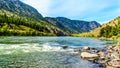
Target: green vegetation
[
  {"x": 13, "y": 24},
  {"x": 84, "y": 35},
  {"x": 109, "y": 30}
]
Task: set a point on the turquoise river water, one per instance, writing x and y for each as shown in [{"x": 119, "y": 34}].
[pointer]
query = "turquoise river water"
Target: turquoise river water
[{"x": 45, "y": 52}]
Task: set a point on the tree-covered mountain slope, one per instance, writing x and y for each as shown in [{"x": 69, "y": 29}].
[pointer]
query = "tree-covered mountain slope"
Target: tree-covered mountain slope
[
  {"x": 17, "y": 18},
  {"x": 73, "y": 26}
]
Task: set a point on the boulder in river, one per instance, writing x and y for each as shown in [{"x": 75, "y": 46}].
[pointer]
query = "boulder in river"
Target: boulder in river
[
  {"x": 87, "y": 55},
  {"x": 86, "y": 48}
]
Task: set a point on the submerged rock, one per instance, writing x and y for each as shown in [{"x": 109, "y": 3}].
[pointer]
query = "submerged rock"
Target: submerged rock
[
  {"x": 64, "y": 47},
  {"x": 77, "y": 50}
]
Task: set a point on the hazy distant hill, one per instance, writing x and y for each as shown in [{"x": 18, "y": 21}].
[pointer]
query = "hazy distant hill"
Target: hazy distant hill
[{"x": 73, "y": 26}]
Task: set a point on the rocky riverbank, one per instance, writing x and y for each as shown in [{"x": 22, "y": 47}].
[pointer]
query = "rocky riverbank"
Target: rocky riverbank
[
  {"x": 108, "y": 57},
  {"x": 112, "y": 59}
]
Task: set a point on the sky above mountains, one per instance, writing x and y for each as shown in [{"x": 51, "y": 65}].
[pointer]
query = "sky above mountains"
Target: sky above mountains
[{"x": 99, "y": 10}]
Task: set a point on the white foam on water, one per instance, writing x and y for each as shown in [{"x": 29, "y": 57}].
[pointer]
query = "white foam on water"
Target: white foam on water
[
  {"x": 50, "y": 48},
  {"x": 47, "y": 47},
  {"x": 14, "y": 46},
  {"x": 31, "y": 47},
  {"x": 8, "y": 52},
  {"x": 26, "y": 51}
]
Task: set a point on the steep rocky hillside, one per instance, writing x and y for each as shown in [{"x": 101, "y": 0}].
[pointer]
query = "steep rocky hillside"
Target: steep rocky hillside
[
  {"x": 73, "y": 26},
  {"x": 20, "y": 8}
]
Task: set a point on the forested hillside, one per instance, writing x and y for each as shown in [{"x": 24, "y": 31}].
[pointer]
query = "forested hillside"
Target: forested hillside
[
  {"x": 109, "y": 30},
  {"x": 12, "y": 24},
  {"x": 18, "y": 18}
]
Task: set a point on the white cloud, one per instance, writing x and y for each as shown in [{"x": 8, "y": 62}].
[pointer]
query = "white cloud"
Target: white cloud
[
  {"x": 99, "y": 10},
  {"x": 75, "y": 8},
  {"x": 41, "y": 5}
]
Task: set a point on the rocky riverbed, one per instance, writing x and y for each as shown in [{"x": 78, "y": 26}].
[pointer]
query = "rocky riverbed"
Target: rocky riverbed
[{"x": 108, "y": 57}]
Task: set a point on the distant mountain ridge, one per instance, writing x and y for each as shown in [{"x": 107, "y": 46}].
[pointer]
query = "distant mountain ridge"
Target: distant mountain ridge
[
  {"x": 73, "y": 26},
  {"x": 14, "y": 15}
]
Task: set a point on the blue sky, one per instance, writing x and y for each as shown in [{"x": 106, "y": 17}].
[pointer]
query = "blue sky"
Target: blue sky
[{"x": 99, "y": 10}]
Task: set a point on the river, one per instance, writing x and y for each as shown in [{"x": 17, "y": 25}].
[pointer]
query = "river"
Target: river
[{"x": 45, "y": 52}]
